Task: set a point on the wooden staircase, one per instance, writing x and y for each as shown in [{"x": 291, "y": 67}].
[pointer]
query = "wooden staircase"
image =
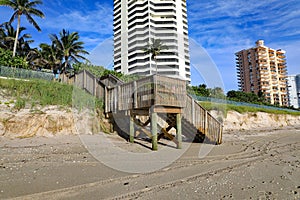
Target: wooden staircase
[
  {"x": 189, "y": 131},
  {"x": 157, "y": 98}
]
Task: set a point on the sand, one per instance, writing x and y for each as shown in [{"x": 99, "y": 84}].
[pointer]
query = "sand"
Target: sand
[{"x": 248, "y": 165}]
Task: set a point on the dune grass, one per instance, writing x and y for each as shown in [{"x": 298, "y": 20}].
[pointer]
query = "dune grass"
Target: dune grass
[
  {"x": 41, "y": 92},
  {"x": 244, "y": 109}
]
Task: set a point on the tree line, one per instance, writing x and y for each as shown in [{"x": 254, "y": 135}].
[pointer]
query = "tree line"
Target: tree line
[
  {"x": 64, "y": 49},
  {"x": 217, "y": 92}
]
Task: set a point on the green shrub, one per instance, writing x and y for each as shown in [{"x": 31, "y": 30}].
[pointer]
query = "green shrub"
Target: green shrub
[
  {"x": 99, "y": 71},
  {"x": 20, "y": 103},
  {"x": 6, "y": 59}
]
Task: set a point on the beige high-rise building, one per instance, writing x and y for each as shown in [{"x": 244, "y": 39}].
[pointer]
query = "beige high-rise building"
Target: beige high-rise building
[{"x": 262, "y": 70}]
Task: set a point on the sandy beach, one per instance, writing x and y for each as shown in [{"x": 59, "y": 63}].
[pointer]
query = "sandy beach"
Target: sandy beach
[{"x": 248, "y": 165}]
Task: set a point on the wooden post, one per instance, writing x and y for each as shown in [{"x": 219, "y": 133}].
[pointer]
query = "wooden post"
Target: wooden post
[
  {"x": 95, "y": 86},
  {"x": 154, "y": 89},
  {"x": 154, "y": 130},
  {"x": 119, "y": 98},
  {"x": 134, "y": 94},
  {"x": 131, "y": 129},
  {"x": 205, "y": 124},
  {"x": 193, "y": 112},
  {"x": 178, "y": 131},
  {"x": 105, "y": 100},
  {"x": 84, "y": 79},
  {"x": 115, "y": 102},
  {"x": 220, "y": 134}
]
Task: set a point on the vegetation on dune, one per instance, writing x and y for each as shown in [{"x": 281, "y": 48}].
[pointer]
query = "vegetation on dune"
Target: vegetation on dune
[
  {"x": 99, "y": 71},
  {"x": 40, "y": 92},
  {"x": 65, "y": 54},
  {"x": 224, "y": 108}
]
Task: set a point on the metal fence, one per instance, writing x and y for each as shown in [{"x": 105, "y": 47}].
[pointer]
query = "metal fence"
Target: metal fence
[
  {"x": 12, "y": 72},
  {"x": 225, "y": 101}
]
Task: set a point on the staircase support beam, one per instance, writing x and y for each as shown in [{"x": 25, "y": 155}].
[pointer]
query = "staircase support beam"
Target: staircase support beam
[
  {"x": 206, "y": 123},
  {"x": 131, "y": 129},
  {"x": 178, "y": 131},
  {"x": 220, "y": 135},
  {"x": 193, "y": 111},
  {"x": 169, "y": 128},
  {"x": 135, "y": 96},
  {"x": 154, "y": 130}
]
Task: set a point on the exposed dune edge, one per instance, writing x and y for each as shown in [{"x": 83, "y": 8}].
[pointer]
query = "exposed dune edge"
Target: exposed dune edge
[
  {"x": 53, "y": 120},
  {"x": 256, "y": 121},
  {"x": 47, "y": 122}
]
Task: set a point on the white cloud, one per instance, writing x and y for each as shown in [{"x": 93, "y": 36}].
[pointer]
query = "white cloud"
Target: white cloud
[
  {"x": 224, "y": 27},
  {"x": 98, "y": 20},
  {"x": 102, "y": 54},
  {"x": 243, "y": 19}
]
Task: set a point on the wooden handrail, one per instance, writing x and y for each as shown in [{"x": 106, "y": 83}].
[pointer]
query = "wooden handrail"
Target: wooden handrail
[
  {"x": 152, "y": 91},
  {"x": 195, "y": 114}
]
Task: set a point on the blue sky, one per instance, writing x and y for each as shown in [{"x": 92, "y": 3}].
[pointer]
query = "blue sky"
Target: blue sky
[{"x": 220, "y": 27}]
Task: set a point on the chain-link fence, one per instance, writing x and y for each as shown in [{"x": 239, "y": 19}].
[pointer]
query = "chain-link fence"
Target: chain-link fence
[
  {"x": 12, "y": 72},
  {"x": 225, "y": 101}
]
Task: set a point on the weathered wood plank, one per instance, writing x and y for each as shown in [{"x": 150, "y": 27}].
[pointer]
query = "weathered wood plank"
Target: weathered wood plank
[
  {"x": 163, "y": 94},
  {"x": 178, "y": 131},
  {"x": 154, "y": 130},
  {"x": 161, "y": 109},
  {"x": 131, "y": 129},
  {"x": 170, "y": 136}
]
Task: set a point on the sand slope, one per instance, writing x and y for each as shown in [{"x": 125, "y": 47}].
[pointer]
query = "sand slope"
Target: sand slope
[
  {"x": 259, "y": 120},
  {"x": 54, "y": 120}
]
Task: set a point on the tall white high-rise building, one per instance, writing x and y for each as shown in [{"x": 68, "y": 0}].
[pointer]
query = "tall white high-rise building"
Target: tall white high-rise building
[
  {"x": 294, "y": 90},
  {"x": 137, "y": 22}
]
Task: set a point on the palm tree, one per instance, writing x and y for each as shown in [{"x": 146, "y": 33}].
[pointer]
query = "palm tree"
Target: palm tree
[
  {"x": 23, "y": 7},
  {"x": 69, "y": 47},
  {"x": 23, "y": 47},
  {"x": 50, "y": 57},
  {"x": 1, "y": 34},
  {"x": 155, "y": 49},
  {"x": 7, "y": 38}
]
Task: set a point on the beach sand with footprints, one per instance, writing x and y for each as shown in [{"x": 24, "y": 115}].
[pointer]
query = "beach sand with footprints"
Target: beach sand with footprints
[{"x": 262, "y": 164}]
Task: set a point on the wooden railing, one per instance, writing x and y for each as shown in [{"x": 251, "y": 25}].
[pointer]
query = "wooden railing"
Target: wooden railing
[
  {"x": 151, "y": 91},
  {"x": 146, "y": 92},
  {"x": 195, "y": 114},
  {"x": 90, "y": 83}
]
